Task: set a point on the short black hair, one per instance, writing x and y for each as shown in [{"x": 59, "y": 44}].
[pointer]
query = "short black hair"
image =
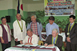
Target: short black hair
[
  {"x": 72, "y": 16},
  {"x": 51, "y": 18},
  {"x": 3, "y": 18}
]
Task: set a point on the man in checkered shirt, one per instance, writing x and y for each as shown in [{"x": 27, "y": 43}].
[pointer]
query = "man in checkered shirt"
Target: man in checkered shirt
[{"x": 35, "y": 26}]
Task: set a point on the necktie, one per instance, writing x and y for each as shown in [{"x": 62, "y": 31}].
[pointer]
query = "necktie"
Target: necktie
[
  {"x": 70, "y": 25},
  {"x": 54, "y": 41}
]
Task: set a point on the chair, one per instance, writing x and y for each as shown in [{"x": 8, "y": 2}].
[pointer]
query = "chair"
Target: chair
[{"x": 40, "y": 42}]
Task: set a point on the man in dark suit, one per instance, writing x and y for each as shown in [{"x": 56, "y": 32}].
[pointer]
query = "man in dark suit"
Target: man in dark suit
[
  {"x": 54, "y": 40},
  {"x": 71, "y": 34}
]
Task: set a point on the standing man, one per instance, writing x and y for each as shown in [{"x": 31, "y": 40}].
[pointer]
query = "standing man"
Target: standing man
[
  {"x": 5, "y": 34},
  {"x": 35, "y": 26},
  {"x": 51, "y": 25},
  {"x": 71, "y": 34},
  {"x": 19, "y": 29}
]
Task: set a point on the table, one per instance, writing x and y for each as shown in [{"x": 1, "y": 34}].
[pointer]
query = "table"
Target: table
[{"x": 31, "y": 48}]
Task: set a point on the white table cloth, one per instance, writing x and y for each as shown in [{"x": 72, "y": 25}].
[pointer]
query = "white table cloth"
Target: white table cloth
[{"x": 24, "y": 49}]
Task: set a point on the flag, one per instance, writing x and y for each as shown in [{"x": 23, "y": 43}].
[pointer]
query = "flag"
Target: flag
[
  {"x": 20, "y": 7},
  {"x": 18, "y": 10}
]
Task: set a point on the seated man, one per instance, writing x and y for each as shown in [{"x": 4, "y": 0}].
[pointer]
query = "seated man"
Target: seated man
[
  {"x": 54, "y": 40},
  {"x": 30, "y": 39}
]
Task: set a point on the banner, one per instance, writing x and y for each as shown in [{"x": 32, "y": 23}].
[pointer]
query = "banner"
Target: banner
[{"x": 59, "y": 7}]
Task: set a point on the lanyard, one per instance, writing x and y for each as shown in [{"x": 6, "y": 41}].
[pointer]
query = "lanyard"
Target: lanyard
[
  {"x": 55, "y": 40},
  {"x": 69, "y": 27},
  {"x": 21, "y": 24}
]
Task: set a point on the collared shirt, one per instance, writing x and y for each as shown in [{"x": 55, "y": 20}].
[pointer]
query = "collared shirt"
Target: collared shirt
[
  {"x": 17, "y": 31},
  {"x": 39, "y": 28},
  {"x": 50, "y": 27},
  {"x": 34, "y": 39},
  {"x": 7, "y": 30},
  {"x": 34, "y": 28},
  {"x": 63, "y": 36},
  {"x": 71, "y": 23}
]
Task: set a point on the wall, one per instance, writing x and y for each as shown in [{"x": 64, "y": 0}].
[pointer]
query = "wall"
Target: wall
[
  {"x": 6, "y": 9},
  {"x": 40, "y": 6},
  {"x": 6, "y": 4},
  {"x": 34, "y": 7},
  {"x": 9, "y": 7}
]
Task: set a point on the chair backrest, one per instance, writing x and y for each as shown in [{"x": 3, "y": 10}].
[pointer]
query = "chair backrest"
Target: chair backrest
[{"x": 40, "y": 42}]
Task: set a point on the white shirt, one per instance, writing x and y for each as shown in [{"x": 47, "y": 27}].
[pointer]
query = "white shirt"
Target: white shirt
[
  {"x": 34, "y": 40},
  {"x": 17, "y": 31},
  {"x": 7, "y": 30},
  {"x": 71, "y": 23},
  {"x": 63, "y": 36},
  {"x": 50, "y": 27}
]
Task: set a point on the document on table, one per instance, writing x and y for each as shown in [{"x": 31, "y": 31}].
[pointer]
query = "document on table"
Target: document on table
[
  {"x": 46, "y": 47},
  {"x": 20, "y": 45},
  {"x": 50, "y": 47}
]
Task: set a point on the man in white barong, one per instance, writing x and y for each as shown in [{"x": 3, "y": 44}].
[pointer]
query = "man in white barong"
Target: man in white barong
[
  {"x": 30, "y": 39},
  {"x": 19, "y": 29}
]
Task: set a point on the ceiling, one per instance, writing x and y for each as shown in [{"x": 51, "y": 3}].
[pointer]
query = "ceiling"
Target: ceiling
[{"x": 33, "y": 1}]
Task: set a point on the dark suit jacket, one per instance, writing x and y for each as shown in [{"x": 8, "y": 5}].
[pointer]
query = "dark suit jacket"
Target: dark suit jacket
[
  {"x": 73, "y": 33},
  {"x": 58, "y": 43}
]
